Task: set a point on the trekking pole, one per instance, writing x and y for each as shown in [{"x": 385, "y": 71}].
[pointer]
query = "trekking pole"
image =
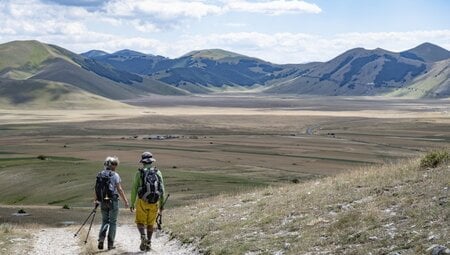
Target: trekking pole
[
  {"x": 90, "y": 225},
  {"x": 159, "y": 217},
  {"x": 84, "y": 223}
]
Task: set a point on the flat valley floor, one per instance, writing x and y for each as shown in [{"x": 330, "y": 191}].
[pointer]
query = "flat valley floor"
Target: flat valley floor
[{"x": 209, "y": 145}]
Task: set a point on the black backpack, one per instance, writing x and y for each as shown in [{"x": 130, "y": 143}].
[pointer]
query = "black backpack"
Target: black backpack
[
  {"x": 102, "y": 184},
  {"x": 151, "y": 186}
]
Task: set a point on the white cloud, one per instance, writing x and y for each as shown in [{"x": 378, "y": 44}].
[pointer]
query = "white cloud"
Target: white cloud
[
  {"x": 166, "y": 10},
  {"x": 32, "y": 18},
  {"x": 41, "y": 18},
  {"x": 169, "y": 14},
  {"x": 79, "y": 30},
  {"x": 143, "y": 26},
  {"x": 301, "y": 48},
  {"x": 273, "y": 7}
]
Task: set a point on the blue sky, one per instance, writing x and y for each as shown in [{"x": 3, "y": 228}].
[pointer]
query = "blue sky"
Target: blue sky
[{"x": 279, "y": 31}]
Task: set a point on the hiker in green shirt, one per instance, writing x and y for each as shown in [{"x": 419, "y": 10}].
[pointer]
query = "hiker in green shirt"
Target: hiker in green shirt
[{"x": 148, "y": 186}]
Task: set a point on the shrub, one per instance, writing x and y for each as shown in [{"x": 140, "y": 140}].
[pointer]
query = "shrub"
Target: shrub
[
  {"x": 42, "y": 157},
  {"x": 65, "y": 206},
  {"x": 434, "y": 159}
]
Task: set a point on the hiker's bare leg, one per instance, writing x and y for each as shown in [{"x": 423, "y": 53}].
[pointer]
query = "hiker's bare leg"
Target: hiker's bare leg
[
  {"x": 143, "y": 245},
  {"x": 149, "y": 232},
  {"x": 148, "y": 244},
  {"x": 141, "y": 228}
]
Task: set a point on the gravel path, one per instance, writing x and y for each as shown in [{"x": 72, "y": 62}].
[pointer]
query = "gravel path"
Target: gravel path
[
  {"x": 62, "y": 241},
  {"x": 55, "y": 241}
]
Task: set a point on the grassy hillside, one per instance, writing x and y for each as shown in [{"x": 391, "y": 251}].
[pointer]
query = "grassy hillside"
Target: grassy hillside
[
  {"x": 39, "y": 94},
  {"x": 28, "y": 54},
  {"x": 21, "y": 59},
  {"x": 355, "y": 72},
  {"x": 402, "y": 208},
  {"x": 33, "y": 60},
  {"x": 28, "y": 57},
  {"x": 435, "y": 83},
  {"x": 159, "y": 88}
]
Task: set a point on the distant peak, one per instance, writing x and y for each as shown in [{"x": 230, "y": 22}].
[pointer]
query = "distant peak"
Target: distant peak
[
  {"x": 25, "y": 42},
  {"x": 427, "y": 52},
  {"x": 354, "y": 52},
  {"x": 427, "y": 47},
  {"x": 427, "y": 44},
  {"x": 214, "y": 54},
  {"x": 94, "y": 53},
  {"x": 129, "y": 53}
]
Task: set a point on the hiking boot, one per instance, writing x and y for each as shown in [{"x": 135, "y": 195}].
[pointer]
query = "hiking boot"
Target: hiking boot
[
  {"x": 111, "y": 246},
  {"x": 143, "y": 245},
  {"x": 148, "y": 245},
  {"x": 100, "y": 245}
]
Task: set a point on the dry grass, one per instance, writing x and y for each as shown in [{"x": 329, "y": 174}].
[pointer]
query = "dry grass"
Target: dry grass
[
  {"x": 373, "y": 210},
  {"x": 14, "y": 237}
]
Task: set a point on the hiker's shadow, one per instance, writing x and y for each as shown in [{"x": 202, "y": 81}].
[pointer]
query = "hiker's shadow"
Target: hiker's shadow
[
  {"x": 122, "y": 253},
  {"x": 100, "y": 252}
]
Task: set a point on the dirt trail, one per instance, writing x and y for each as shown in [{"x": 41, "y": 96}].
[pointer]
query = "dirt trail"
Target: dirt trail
[{"x": 62, "y": 241}]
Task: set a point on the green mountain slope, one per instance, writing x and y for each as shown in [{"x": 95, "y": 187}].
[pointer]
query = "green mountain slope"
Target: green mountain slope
[
  {"x": 200, "y": 71},
  {"x": 434, "y": 84},
  {"x": 217, "y": 69},
  {"x": 355, "y": 72},
  {"x": 127, "y": 60},
  {"x": 32, "y": 60},
  {"x": 26, "y": 57},
  {"x": 128, "y": 74},
  {"x": 39, "y": 94}
]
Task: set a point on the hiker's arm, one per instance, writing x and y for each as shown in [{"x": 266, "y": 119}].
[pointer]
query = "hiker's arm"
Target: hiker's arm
[
  {"x": 134, "y": 189},
  {"x": 122, "y": 194},
  {"x": 95, "y": 198},
  {"x": 161, "y": 199}
]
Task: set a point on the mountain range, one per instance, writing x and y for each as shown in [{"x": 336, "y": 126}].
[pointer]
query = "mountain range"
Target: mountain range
[{"x": 419, "y": 72}]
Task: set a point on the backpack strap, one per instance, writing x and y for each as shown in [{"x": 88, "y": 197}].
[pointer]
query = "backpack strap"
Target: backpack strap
[{"x": 108, "y": 175}]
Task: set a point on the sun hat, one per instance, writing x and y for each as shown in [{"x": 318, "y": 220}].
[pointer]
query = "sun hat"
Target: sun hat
[{"x": 147, "y": 158}]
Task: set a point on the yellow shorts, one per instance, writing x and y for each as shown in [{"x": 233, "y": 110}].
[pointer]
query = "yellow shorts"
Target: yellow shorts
[{"x": 146, "y": 213}]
